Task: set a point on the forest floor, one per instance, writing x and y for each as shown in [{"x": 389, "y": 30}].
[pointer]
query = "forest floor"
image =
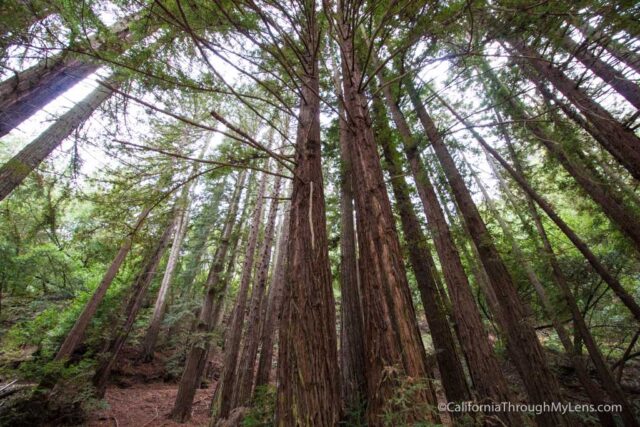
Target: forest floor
[{"x": 139, "y": 396}]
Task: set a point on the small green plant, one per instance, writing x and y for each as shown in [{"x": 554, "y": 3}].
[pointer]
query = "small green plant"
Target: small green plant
[
  {"x": 262, "y": 411},
  {"x": 407, "y": 406}
]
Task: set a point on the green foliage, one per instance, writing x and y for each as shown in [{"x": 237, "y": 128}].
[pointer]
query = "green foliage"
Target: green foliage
[
  {"x": 406, "y": 407},
  {"x": 263, "y": 406}
]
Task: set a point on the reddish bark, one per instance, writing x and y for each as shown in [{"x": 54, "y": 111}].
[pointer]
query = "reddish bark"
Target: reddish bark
[
  {"x": 522, "y": 343},
  {"x": 138, "y": 292},
  {"x": 391, "y": 333},
  {"x": 245, "y": 374},
  {"x": 308, "y": 382},
  {"x": 214, "y": 286},
  {"x": 76, "y": 334},
  {"x": 274, "y": 301},
  {"x": 622, "y": 143}
]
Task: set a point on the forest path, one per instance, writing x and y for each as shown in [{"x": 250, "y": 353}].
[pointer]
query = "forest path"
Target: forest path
[{"x": 144, "y": 405}]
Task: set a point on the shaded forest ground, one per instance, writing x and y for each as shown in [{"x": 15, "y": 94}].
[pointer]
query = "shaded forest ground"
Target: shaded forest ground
[{"x": 139, "y": 396}]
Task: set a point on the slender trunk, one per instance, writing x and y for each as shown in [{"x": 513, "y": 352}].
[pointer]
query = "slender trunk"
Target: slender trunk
[
  {"x": 605, "y": 41},
  {"x": 28, "y": 92},
  {"x": 522, "y": 343},
  {"x": 390, "y": 326},
  {"x": 613, "y": 283},
  {"x": 612, "y": 205},
  {"x": 76, "y": 334},
  {"x": 450, "y": 367},
  {"x": 17, "y": 168},
  {"x": 233, "y": 338},
  {"x": 352, "y": 354},
  {"x": 274, "y": 301},
  {"x": 245, "y": 374},
  {"x": 308, "y": 374},
  {"x": 151, "y": 337},
  {"x": 197, "y": 354},
  {"x": 605, "y": 375},
  {"x": 622, "y": 143},
  {"x": 197, "y": 245},
  {"x": 614, "y": 78},
  {"x": 483, "y": 364},
  {"x": 592, "y": 390},
  {"x": 138, "y": 292}
]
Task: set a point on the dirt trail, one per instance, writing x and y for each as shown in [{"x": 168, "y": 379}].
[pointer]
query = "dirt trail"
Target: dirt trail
[{"x": 148, "y": 405}]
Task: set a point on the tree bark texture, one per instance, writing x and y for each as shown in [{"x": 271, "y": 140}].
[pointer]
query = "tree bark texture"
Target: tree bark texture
[
  {"x": 215, "y": 282},
  {"x": 76, "y": 334},
  {"x": 391, "y": 332},
  {"x": 308, "y": 375},
  {"x": 138, "y": 292},
  {"x": 622, "y": 143},
  {"x": 17, "y": 168},
  {"x": 522, "y": 343}
]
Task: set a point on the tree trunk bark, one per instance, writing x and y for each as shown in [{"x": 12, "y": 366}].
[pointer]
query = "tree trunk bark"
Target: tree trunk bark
[
  {"x": 622, "y": 143},
  {"x": 138, "y": 292},
  {"x": 30, "y": 91},
  {"x": 26, "y": 93},
  {"x": 614, "y": 78},
  {"x": 76, "y": 334},
  {"x": 483, "y": 364},
  {"x": 592, "y": 390},
  {"x": 450, "y": 367},
  {"x": 391, "y": 332},
  {"x": 245, "y": 374},
  {"x": 615, "y": 49},
  {"x": 308, "y": 374},
  {"x": 233, "y": 338},
  {"x": 605, "y": 375},
  {"x": 522, "y": 343},
  {"x": 608, "y": 278},
  {"x": 625, "y": 219},
  {"x": 196, "y": 247},
  {"x": 352, "y": 349},
  {"x": 17, "y": 168},
  {"x": 274, "y": 301},
  {"x": 182, "y": 220},
  {"x": 195, "y": 359}
]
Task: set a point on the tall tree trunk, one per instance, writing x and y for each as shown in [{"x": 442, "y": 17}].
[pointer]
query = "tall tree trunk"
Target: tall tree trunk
[
  {"x": 605, "y": 375},
  {"x": 308, "y": 379},
  {"x": 182, "y": 220},
  {"x": 26, "y": 93},
  {"x": 17, "y": 168},
  {"x": 215, "y": 284},
  {"x": 617, "y": 50},
  {"x": 76, "y": 334},
  {"x": 30, "y": 91},
  {"x": 197, "y": 245},
  {"x": 483, "y": 364},
  {"x": 522, "y": 343},
  {"x": 274, "y": 301},
  {"x": 614, "y": 78},
  {"x": 592, "y": 390},
  {"x": 622, "y": 143},
  {"x": 613, "y": 206},
  {"x": 234, "y": 335},
  {"x": 602, "y": 271},
  {"x": 245, "y": 374},
  {"x": 138, "y": 292},
  {"x": 391, "y": 332},
  {"x": 450, "y": 367},
  {"x": 352, "y": 349}
]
